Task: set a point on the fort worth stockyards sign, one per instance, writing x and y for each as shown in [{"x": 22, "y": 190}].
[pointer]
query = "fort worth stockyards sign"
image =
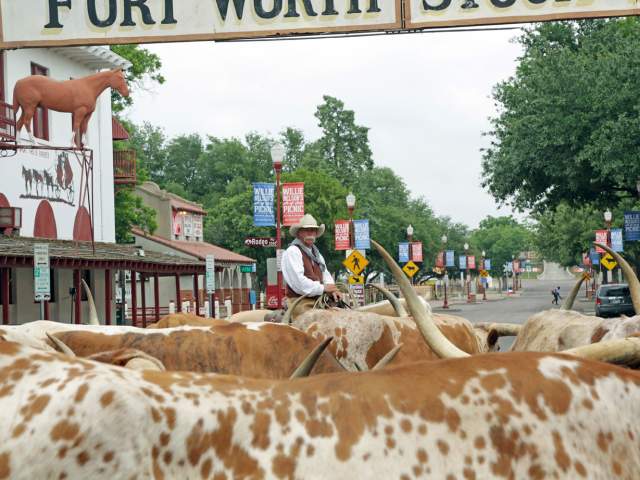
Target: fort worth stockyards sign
[{"x": 33, "y": 23}]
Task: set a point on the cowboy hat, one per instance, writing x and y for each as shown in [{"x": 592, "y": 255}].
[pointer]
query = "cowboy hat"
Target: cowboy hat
[{"x": 307, "y": 222}]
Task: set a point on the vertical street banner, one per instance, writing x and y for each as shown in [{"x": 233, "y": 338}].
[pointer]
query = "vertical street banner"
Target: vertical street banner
[
  {"x": 210, "y": 277},
  {"x": 602, "y": 236},
  {"x": 292, "y": 203},
  {"x": 463, "y": 262},
  {"x": 471, "y": 261},
  {"x": 416, "y": 252},
  {"x": 595, "y": 256},
  {"x": 617, "y": 240},
  {"x": 263, "y": 211},
  {"x": 632, "y": 226},
  {"x": 362, "y": 234},
  {"x": 342, "y": 235},
  {"x": 440, "y": 260},
  {"x": 403, "y": 252},
  {"x": 451, "y": 258},
  {"x": 41, "y": 272},
  {"x": 487, "y": 264}
]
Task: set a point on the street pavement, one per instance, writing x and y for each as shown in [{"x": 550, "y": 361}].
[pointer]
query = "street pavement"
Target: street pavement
[{"x": 535, "y": 297}]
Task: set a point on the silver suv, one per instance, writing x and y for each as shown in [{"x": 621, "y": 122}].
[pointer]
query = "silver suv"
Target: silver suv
[{"x": 614, "y": 300}]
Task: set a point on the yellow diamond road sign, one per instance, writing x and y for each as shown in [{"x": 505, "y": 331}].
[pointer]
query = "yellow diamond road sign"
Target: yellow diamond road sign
[
  {"x": 608, "y": 262},
  {"x": 356, "y": 263},
  {"x": 356, "y": 279},
  {"x": 410, "y": 269}
]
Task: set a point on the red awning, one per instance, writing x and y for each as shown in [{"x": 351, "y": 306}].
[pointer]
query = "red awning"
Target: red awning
[{"x": 118, "y": 131}]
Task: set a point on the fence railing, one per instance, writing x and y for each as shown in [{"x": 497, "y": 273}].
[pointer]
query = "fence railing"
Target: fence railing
[{"x": 124, "y": 167}]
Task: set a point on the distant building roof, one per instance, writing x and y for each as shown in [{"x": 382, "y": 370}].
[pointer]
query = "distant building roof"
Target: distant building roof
[
  {"x": 94, "y": 57},
  {"x": 176, "y": 201},
  {"x": 199, "y": 250},
  {"x": 118, "y": 132}
]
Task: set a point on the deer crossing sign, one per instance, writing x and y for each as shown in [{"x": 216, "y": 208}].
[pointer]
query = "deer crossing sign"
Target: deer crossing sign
[{"x": 41, "y": 23}]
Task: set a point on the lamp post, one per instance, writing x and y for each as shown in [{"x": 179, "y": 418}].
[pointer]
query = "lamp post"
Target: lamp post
[
  {"x": 608, "y": 217},
  {"x": 277, "y": 155},
  {"x": 466, "y": 267},
  {"x": 514, "y": 286},
  {"x": 445, "y": 305},
  {"x": 351, "y": 205},
  {"x": 484, "y": 287},
  {"x": 410, "y": 232}
]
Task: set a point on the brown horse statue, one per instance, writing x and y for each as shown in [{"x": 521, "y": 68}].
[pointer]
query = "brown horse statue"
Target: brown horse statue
[{"x": 77, "y": 97}]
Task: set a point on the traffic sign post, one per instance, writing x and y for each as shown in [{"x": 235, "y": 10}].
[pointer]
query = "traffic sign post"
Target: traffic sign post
[
  {"x": 41, "y": 275},
  {"x": 210, "y": 282},
  {"x": 356, "y": 262},
  {"x": 608, "y": 262},
  {"x": 356, "y": 279},
  {"x": 410, "y": 269}
]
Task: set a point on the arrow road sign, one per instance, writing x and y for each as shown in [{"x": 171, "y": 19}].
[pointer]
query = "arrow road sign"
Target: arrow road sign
[
  {"x": 608, "y": 262},
  {"x": 356, "y": 279},
  {"x": 410, "y": 269}
]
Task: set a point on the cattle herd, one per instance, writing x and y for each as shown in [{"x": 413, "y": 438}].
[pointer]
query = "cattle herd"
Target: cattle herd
[{"x": 389, "y": 391}]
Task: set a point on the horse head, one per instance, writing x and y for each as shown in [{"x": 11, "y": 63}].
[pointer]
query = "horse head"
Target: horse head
[{"x": 119, "y": 82}]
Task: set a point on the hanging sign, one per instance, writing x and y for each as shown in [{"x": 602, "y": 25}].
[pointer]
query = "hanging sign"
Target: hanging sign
[
  {"x": 210, "y": 277},
  {"x": 263, "y": 212},
  {"x": 82, "y": 22},
  {"x": 632, "y": 226},
  {"x": 617, "y": 241},
  {"x": 403, "y": 253},
  {"x": 440, "y": 260},
  {"x": 260, "y": 242},
  {"x": 463, "y": 262},
  {"x": 595, "y": 256},
  {"x": 487, "y": 264},
  {"x": 416, "y": 252},
  {"x": 41, "y": 272},
  {"x": 602, "y": 236},
  {"x": 471, "y": 262},
  {"x": 342, "y": 235},
  {"x": 361, "y": 233},
  {"x": 292, "y": 203},
  {"x": 451, "y": 258}
]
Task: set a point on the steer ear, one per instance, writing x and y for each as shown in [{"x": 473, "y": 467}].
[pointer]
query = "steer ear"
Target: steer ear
[
  {"x": 129, "y": 358},
  {"x": 308, "y": 363}
]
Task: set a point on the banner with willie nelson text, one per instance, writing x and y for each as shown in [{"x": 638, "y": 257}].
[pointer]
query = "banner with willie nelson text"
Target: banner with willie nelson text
[
  {"x": 342, "y": 235},
  {"x": 292, "y": 203}
]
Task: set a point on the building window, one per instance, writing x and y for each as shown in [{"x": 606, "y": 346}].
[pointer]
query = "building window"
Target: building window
[{"x": 41, "y": 117}]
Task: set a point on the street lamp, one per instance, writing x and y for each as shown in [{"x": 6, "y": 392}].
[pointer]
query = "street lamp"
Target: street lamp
[
  {"x": 410, "y": 232},
  {"x": 466, "y": 268},
  {"x": 277, "y": 156},
  {"x": 608, "y": 217},
  {"x": 445, "y": 305},
  {"x": 482, "y": 267},
  {"x": 351, "y": 205},
  {"x": 513, "y": 272}
]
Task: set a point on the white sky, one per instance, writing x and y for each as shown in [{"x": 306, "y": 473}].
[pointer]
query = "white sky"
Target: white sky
[{"x": 425, "y": 97}]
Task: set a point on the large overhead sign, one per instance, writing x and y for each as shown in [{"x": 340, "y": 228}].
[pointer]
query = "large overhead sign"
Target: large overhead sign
[
  {"x": 84, "y": 22},
  {"x": 34, "y": 23}
]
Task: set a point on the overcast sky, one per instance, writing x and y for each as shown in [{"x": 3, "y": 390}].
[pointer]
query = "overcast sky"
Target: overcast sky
[{"x": 425, "y": 97}]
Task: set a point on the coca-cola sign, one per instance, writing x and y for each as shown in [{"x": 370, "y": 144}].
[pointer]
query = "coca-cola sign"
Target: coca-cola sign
[{"x": 260, "y": 242}]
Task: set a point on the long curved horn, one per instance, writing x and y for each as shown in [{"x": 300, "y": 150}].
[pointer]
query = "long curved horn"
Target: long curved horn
[
  {"x": 93, "y": 313},
  {"x": 395, "y": 302},
  {"x": 623, "y": 351},
  {"x": 145, "y": 363},
  {"x": 632, "y": 279},
  {"x": 308, "y": 363},
  {"x": 286, "y": 319},
  {"x": 60, "y": 345},
  {"x": 387, "y": 359},
  {"x": 421, "y": 314},
  {"x": 571, "y": 298}
]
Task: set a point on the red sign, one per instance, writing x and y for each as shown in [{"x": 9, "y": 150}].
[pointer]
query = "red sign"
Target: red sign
[
  {"x": 602, "y": 236},
  {"x": 342, "y": 235},
  {"x": 292, "y": 203},
  {"x": 471, "y": 262},
  {"x": 440, "y": 260},
  {"x": 416, "y": 252},
  {"x": 272, "y": 297},
  {"x": 260, "y": 242}
]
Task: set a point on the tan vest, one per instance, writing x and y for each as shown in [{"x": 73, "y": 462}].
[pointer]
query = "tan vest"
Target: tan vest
[{"x": 312, "y": 271}]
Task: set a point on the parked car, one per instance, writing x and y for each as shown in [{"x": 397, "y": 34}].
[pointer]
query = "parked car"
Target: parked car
[{"x": 614, "y": 300}]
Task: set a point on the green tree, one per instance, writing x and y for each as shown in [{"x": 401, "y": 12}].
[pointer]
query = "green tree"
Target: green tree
[
  {"x": 501, "y": 238},
  {"x": 130, "y": 211},
  {"x": 144, "y": 70},
  {"x": 569, "y": 125}
]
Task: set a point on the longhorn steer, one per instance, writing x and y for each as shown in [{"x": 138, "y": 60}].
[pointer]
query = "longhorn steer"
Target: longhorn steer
[{"x": 514, "y": 415}]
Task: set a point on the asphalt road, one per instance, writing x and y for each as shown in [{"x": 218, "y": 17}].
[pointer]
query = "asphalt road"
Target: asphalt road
[{"x": 535, "y": 298}]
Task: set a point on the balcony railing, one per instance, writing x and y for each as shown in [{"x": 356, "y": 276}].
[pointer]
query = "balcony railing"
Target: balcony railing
[
  {"x": 124, "y": 167},
  {"x": 7, "y": 125}
]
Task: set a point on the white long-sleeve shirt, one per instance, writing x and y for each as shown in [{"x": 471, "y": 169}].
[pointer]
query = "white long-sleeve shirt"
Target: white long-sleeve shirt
[{"x": 293, "y": 273}]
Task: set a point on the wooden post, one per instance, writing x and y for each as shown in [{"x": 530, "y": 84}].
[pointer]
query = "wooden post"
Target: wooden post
[
  {"x": 156, "y": 294},
  {"x": 107, "y": 297},
  {"x": 196, "y": 293},
  {"x": 134, "y": 299},
  {"x": 143, "y": 293},
  {"x": 46, "y": 311},
  {"x": 5, "y": 296},
  {"x": 178, "y": 298},
  {"x": 78, "y": 303}
]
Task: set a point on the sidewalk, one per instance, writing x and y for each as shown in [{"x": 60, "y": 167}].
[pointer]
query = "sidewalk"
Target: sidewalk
[{"x": 454, "y": 300}]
